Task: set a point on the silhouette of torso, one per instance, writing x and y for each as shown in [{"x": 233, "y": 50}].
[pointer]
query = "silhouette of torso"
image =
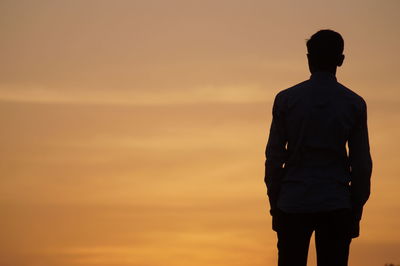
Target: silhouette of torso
[{"x": 318, "y": 117}]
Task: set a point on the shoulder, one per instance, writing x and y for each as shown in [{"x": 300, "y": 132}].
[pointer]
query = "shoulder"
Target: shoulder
[
  {"x": 292, "y": 95},
  {"x": 285, "y": 94},
  {"x": 353, "y": 97}
]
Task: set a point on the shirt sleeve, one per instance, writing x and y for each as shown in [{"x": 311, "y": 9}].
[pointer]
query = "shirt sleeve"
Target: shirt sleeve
[
  {"x": 275, "y": 153},
  {"x": 360, "y": 162}
]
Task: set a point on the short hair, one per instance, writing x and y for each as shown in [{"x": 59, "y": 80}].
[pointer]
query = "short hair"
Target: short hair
[{"x": 325, "y": 47}]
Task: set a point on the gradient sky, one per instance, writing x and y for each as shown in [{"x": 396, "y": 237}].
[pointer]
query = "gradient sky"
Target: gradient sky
[{"x": 133, "y": 132}]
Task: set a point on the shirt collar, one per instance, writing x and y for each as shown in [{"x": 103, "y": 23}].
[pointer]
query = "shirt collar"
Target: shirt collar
[{"x": 322, "y": 75}]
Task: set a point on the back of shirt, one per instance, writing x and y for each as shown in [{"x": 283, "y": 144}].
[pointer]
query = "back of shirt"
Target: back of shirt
[{"x": 315, "y": 120}]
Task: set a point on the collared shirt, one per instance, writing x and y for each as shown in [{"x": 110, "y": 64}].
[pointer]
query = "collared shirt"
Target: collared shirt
[{"x": 308, "y": 167}]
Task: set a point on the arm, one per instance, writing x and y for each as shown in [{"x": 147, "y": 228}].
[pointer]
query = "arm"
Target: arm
[
  {"x": 360, "y": 163},
  {"x": 275, "y": 154}
]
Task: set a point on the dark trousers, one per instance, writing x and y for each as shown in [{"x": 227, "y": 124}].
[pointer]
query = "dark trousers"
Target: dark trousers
[{"x": 332, "y": 237}]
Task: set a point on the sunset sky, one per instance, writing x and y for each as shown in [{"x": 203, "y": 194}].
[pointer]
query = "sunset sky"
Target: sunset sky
[{"x": 133, "y": 132}]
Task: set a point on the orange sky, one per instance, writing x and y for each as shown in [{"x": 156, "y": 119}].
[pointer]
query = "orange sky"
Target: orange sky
[{"x": 133, "y": 132}]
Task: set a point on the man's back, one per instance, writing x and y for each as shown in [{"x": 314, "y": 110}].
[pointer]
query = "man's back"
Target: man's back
[{"x": 319, "y": 116}]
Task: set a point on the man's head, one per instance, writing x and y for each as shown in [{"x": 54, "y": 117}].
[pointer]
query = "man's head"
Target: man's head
[{"x": 325, "y": 51}]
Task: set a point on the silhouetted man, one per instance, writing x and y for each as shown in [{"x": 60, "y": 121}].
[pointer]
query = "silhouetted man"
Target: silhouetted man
[{"x": 314, "y": 183}]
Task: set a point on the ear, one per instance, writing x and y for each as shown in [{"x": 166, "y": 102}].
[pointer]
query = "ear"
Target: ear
[
  {"x": 310, "y": 63},
  {"x": 310, "y": 58},
  {"x": 340, "y": 60}
]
